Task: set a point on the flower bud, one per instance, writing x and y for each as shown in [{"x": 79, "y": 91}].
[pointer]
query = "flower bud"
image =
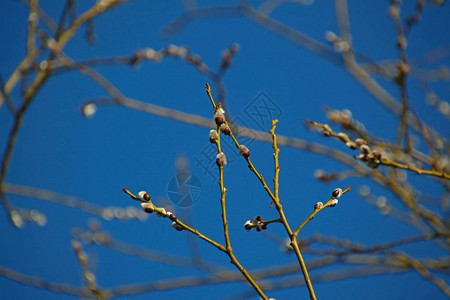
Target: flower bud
[
  {"x": 213, "y": 136},
  {"x": 333, "y": 202},
  {"x": 89, "y": 277},
  {"x": 248, "y": 225},
  {"x": 171, "y": 216},
  {"x": 336, "y": 193},
  {"x": 144, "y": 196},
  {"x": 76, "y": 246},
  {"x": 326, "y": 132},
  {"x": 373, "y": 163},
  {"x": 377, "y": 155},
  {"x": 88, "y": 110},
  {"x": 318, "y": 205},
  {"x": 221, "y": 159},
  {"x": 172, "y": 50},
  {"x": 256, "y": 220},
  {"x": 82, "y": 258},
  {"x": 150, "y": 53},
  {"x": 351, "y": 145},
  {"x": 363, "y": 157},
  {"x": 330, "y": 36},
  {"x": 243, "y": 151},
  {"x": 364, "y": 149},
  {"x": 177, "y": 226},
  {"x": 147, "y": 207},
  {"x": 219, "y": 116},
  {"x": 225, "y": 129},
  {"x": 16, "y": 219},
  {"x": 360, "y": 142},
  {"x": 261, "y": 227}
]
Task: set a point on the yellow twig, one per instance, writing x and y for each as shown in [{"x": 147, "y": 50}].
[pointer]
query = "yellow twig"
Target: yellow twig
[
  {"x": 208, "y": 91},
  {"x": 283, "y": 219},
  {"x": 174, "y": 219},
  {"x": 229, "y": 250},
  {"x": 317, "y": 211}
]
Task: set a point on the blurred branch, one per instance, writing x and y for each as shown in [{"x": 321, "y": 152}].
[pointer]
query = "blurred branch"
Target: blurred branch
[
  {"x": 33, "y": 20},
  {"x": 39, "y": 80},
  {"x": 103, "y": 239},
  {"x": 58, "y": 288},
  {"x": 353, "y": 247},
  {"x": 176, "y": 115},
  {"x": 372, "y": 155},
  {"x": 105, "y": 213},
  {"x": 88, "y": 276}
]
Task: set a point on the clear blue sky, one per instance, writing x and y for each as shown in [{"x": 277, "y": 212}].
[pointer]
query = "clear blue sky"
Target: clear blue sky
[{"x": 94, "y": 158}]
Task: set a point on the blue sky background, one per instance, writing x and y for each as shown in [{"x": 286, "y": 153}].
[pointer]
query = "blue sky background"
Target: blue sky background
[{"x": 93, "y": 159}]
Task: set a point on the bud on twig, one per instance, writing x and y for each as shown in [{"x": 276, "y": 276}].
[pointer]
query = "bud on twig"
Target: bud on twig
[
  {"x": 261, "y": 226},
  {"x": 257, "y": 219},
  {"x": 177, "y": 226},
  {"x": 257, "y": 223},
  {"x": 144, "y": 196},
  {"x": 248, "y": 225},
  {"x": 88, "y": 110},
  {"x": 221, "y": 159},
  {"x": 336, "y": 193},
  {"x": 243, "y": 151},
  {"x": 213, "y": 136},
  {"x": 219, "y": 116},
  {"x": 360, "y": 142},
  {"x": 225, "y": 129},
  {"x": 318, "y": 205},
  {"x": 351, "y": 145},
  {"x": 147, "y": 207},
  {"x": 364, "y": 149}
]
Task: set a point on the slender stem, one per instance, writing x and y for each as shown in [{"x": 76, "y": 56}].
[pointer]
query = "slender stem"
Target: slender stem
[
  {"x": 208, "y": 91},
  {"x": 316, "y": 212},
  {"x": 253, "y": 169},
  {"x": 33, "y": 19},
  {"x": 229, "y": 250},
  {"x": 165, "y": 214},
  {"x": 283, "y": 219},
  {"x": 279, "y": 207}
]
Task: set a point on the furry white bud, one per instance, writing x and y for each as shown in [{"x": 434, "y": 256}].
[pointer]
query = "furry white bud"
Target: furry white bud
[
  {"x": 213, "y": 136},
  {"x": 147, "y": 207},
  {"x": 243, "y": 151},
  {"x": 225, "y": 129},
  {"x": 248, "y": 225},
  {"x": 336, "y": 193},
  {"x": 144, "y": 196},
  {"x": 318, "y": 205},
  {"x": 219, "y": 116},
  {"x": 177, "y": 226},
  {"x": 88, "y": 110},
  {"x": 364, "y": 149},
  {"x": 221, "y": 159}
]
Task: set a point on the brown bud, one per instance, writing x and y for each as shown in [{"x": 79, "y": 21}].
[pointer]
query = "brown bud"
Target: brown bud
[{"x": 225, "y": 129}]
